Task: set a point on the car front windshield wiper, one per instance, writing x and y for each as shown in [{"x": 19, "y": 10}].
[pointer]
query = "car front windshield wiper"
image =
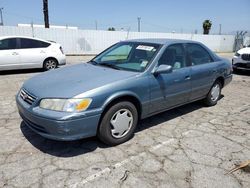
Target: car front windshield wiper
[
  {"x": 93, "y": 62},
  {"x": 109, "y": 65}
]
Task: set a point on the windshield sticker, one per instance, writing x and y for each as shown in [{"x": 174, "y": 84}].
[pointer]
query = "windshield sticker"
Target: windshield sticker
[
  {"x": 147, "y": 48},
  {"x": 144, "y": 63}
]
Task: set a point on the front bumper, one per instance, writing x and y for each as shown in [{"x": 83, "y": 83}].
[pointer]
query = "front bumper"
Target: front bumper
[
  {"x": 239, "y": 63},
  {"x": 71, "y": 129}
]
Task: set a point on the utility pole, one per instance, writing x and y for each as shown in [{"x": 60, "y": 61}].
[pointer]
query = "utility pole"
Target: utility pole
[
  {"x": 46, "y": 13},
  {"x": 128, "y": 33},
  {"x": 32, "y": 29},
  {"x": 96, "y": 25},
  {"x": 1, "y": 14},
  {"x": 139, "y": 24},
  {"x": 220, "y": 30}
]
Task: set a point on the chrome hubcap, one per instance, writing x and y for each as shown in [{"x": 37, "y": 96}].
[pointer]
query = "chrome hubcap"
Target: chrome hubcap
[
  {"x": 50, "y": 64},
  {"x": 121, "y": 123},
  {"x": 215, "y": 93}
]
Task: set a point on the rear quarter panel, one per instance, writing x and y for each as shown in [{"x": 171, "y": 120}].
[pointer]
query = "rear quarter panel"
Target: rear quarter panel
[
  {"x": 224, "y": 70},
  {"x": 54, "y": 51}
]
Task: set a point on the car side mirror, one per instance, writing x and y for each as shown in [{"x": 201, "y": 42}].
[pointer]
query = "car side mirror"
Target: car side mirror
[{"x": 163, "y": 69}]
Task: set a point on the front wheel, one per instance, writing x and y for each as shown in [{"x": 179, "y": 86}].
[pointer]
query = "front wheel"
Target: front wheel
[
  {"x": 214, "y": 94},
  {"x": 118, "y": 123}
]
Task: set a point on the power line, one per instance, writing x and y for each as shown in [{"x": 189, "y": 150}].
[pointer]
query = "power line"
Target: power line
[
  {"x": 168, "y": 29},
  {"x": 86, "y": 25},
  {"x": 128, "y": 24}
]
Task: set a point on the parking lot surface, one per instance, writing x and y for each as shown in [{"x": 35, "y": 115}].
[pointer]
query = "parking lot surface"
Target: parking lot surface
[{"x": 191, "y": 146}]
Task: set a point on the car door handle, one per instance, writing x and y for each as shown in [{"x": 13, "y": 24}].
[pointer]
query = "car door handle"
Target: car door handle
[
  {"x": 42, "y": 52},
  {"x": 187, "y": 77},
  {"x": 14, "y": 53}
]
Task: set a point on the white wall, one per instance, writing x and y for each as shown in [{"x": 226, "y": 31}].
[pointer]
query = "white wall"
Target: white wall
[{"x": 92, "y": 41}]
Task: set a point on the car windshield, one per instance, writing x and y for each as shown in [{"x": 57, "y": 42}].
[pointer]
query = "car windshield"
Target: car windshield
[{"x": 131, "y": 56}]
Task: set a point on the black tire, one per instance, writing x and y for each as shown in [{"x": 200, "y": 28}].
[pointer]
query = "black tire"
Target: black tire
[
  {"x": 104, "y": 131},
  {"x": 50, "y": 64},
  {"x": 209, "y": 101}
]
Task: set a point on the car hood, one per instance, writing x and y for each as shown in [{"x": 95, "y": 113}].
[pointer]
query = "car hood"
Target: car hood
[
  {"x": 73, "y": 80},
  {"x": 244, "y": 51}
]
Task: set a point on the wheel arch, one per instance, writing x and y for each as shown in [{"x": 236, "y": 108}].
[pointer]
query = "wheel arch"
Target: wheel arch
[
  {"x": 221, "y": 80},
  {"x": 50, "y": 57},
  {"x": 123, "y": 96}
]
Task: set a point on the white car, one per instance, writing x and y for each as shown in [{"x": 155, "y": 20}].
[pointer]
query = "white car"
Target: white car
[
  {"x": 241, "y": 59},
  {"x": 25, "y": 52}
]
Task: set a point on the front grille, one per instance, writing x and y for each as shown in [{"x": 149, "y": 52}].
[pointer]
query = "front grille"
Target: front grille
[
  {"x": 28, "y": 98},
  {"x": 245, "y": 57}
]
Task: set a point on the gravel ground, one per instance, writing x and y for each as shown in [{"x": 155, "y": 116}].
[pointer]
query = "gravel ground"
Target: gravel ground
[{"x": 191, "y": 146}]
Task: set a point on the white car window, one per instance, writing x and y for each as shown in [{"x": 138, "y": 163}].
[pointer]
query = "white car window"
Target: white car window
[
  {"x": 30, "y": 43},
  {"x": 8, "y": 44}
]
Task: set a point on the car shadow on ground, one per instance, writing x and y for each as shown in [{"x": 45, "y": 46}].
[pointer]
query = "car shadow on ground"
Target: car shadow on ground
[
  {"x": 79, "y": 147},
  {"x": 23, "y": 71}
]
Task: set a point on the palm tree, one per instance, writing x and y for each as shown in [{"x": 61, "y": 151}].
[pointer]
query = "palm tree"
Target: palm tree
[{"x": 207, "y": 24}]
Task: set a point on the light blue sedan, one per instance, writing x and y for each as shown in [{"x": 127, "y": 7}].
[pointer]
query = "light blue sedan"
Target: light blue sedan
[{"x": 129, "y": 81}]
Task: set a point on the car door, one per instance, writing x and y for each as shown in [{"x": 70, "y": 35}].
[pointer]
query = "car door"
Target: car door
[
  {"x": 9, "y": 56},
  {"x": 32, "y": 52},
  {"x": 203, "y": 70},
  {"x": 171, "y": 89}
]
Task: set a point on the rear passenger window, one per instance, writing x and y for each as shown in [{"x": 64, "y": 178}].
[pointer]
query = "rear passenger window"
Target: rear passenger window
[
  {"x": 8, "y": 44},
  {"x": 30, "y": 43},
  {"x": 197, "y": 55},
  {"x": 174, "y": 55}
]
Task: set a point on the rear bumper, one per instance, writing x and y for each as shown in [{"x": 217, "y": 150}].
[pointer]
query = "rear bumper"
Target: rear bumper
[
  {"x": 61, "y": 60},
  {"x": 72, "y": 129}
]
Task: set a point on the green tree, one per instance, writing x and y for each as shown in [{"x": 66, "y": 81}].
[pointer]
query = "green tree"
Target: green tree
[
  {"x": 207, "y": 24},
  {"x": 111, "y": 29}
]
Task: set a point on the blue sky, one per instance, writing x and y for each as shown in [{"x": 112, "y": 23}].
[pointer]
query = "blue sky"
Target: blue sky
[{"x": 156, "y": 15}]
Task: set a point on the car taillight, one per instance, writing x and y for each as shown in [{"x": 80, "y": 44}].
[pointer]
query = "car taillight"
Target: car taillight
[{"x": 61, "y": 50}]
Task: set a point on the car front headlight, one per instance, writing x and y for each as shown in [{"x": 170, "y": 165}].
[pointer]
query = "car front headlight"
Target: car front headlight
[
  {"x": 237, "y": 54},
  {"x": 66, "y": 105}
]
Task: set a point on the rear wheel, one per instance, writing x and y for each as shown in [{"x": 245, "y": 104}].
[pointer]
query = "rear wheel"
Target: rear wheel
[
  {"x": 214, "y": 94},
  {"x": 118, "y": 123},
  {"x": 49, "y": 64}
]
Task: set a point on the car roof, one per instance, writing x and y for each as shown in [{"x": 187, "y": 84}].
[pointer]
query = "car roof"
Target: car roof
[
  {"x": 26, "y": 37},
  {"x": 161, "y": 41}
]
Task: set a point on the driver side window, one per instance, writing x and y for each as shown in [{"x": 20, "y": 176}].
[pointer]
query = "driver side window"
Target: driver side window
[{"x": 174, "y": 56}]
